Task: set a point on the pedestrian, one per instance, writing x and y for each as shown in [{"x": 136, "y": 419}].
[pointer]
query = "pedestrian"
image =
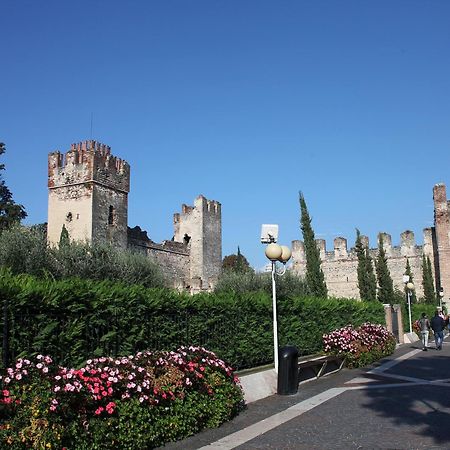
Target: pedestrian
[
  {"x": 425, "y": 326},
  {"x": 438, "y": 325}
]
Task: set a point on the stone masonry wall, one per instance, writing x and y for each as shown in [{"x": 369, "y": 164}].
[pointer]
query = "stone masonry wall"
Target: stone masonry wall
[
  {"x": 171, "y": 257},
  {"x": 340, "y": 265},
  {"x": 88, "y": 194},
  {"x": 200, "y": 228}
]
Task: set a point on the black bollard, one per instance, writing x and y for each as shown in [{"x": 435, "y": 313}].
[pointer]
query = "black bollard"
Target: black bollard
[{"x": 287, "y": 370}]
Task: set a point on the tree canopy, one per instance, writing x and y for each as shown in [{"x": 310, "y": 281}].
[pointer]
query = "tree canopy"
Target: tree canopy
[
  {"x": 236, "y": 262},
  {"x": 10, "y": 212}
]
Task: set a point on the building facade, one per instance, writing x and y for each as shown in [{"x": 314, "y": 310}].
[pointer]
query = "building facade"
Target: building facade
[{"x": 88, "y": 195}]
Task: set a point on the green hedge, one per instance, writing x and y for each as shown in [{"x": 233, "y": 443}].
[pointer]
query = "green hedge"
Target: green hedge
[
  {"x": 73, "y": 320},
  {"x": 416, "y": 313}
]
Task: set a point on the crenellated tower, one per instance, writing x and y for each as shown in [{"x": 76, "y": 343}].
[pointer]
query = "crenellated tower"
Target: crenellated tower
[
  {"x": 200, "y": 228},
  {"x": 442, "y": 238},
  {"x": 88, "y": 194}
]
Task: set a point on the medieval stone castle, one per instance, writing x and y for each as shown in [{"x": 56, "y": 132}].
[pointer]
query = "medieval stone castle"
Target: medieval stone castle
[
  {"x": 88, "y": 195},
  {"x": 340, "y": 265}
]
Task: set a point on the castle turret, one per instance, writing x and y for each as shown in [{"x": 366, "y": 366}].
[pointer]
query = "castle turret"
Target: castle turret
[
  {"x": 88, "y": 195},
  {"x": 442, "y": 229},
  {"x": 200, "y": 227}
]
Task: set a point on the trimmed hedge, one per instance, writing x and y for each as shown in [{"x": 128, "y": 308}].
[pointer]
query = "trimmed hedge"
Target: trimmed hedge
[{"x": 75, "y": 319}]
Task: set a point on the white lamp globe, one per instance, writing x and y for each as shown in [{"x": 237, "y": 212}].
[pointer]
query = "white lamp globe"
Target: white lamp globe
[
  {"x": 273, "y": 251},
  {"x": 286, "y": 254},
  {"x": 410, "y": 286}
]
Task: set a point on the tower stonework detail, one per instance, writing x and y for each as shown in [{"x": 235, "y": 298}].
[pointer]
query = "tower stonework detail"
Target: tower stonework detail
[
  {"x": 88, "y": 195},
  {"x": 442, "y": 238},
  {"x": 199, "y": 227},
  {"x": 340, "y": 265}
]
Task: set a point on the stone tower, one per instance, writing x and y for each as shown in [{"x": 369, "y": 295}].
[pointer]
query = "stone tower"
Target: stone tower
[
  {"x": 442, "y": 237},
  {"x": 200, "y": 228},
  {"x": 88, "y": 194}
]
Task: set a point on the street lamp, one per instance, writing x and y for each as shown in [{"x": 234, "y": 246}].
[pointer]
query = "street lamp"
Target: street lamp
[
  {"x": 441, "y": 296},
  {"x": 280, "y": 253},
  {"x": 409, "y": 285}
]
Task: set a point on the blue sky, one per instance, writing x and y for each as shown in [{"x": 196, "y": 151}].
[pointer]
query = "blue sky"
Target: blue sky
[{"x": 245, "y": 102}]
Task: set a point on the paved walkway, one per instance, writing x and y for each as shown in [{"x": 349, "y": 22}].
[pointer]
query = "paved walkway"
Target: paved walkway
[{"x": 403, "y": 402}]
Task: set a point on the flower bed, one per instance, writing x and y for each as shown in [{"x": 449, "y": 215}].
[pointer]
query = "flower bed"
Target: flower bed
[
  {"x": 362, "y": 345},
  {"x": 135, "y": 402}
]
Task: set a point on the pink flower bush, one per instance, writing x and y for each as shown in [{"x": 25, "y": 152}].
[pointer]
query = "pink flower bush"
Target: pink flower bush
[
  {"x": 361, "y": 345},
  {"x": 154, "y": 378}
]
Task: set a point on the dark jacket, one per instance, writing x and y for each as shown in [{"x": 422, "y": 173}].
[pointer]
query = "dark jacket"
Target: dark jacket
[{"x": 437, "y": 324}]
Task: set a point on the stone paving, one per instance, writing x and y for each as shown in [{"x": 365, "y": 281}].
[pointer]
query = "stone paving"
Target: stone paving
[{"x": 402, "y": 402}]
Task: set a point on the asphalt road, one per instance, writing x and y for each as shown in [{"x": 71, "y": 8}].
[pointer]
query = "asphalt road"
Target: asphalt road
[{"x": 402, "y": 402}]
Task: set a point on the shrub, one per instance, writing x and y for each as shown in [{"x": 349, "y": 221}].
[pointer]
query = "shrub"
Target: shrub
[
  {"x": 289, "y": 285},
  {"x": 75, "y": 319},
  {"x": 134, "y": 402},
  {"x": 25, "y": 250},
  {"x": 360, "y": 346}
]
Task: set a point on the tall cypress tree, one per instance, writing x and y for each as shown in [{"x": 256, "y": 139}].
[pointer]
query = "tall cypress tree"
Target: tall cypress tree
[
  {"x": 385, "y": 283},
  {"x": 361, "y": 270},
  {"x": 429, "y": 294},
  {"x": 367, "y": 282},
  {"x": 371, "y": 278},
  {"x": 315, "y": 279},
  {"x": 408, "y": 272},
  {"x": 64, "y": 238}
]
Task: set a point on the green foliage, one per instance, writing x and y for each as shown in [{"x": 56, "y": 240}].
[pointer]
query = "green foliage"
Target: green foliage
[
  {"x": 288, "y": 285},
  {"x": 76, "y": 319},
  {"x": 236, "y": 263},
  {"x": 25, "y": 250},
  {"x": 10, "y": 212},
  {"x": 367, "y": 283},
  {"x": 315, "y": 279},
  {"x": 64, "y": 238},
  {"x": 416, "y": 313},
  {"x": 385, "y": 283},
  {"x": 408, "y": 272},
  {"x": 171, "y": 396},
  {"x": 429, "y": 293}
]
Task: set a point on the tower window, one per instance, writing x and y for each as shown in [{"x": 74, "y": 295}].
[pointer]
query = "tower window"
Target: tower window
[
  {"x": 186, "y": 239},
  {"x": 69, "y": 217},
  {"x": 111, "y": 215}
]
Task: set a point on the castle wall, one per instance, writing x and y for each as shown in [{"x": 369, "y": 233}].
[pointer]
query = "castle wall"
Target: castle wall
[
  {"x": 171, "y": 257},
  {"x": 109, "y": 216},
  {"x": 340, "y": 265}
]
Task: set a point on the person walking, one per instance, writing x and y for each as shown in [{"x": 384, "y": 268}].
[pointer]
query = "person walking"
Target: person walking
[
  {"x": 438, "y": 325},
  {"x": 425, "y": 326}
]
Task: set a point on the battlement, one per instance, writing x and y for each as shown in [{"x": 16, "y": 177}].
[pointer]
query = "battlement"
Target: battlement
[
  {"x": 407, "y": 247},
  {"x": 88, "y": 161},
  {"x": 201, "y": 205}
]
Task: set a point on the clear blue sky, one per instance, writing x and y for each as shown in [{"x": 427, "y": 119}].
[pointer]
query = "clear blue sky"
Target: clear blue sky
[{"x": 245, "y": 102}]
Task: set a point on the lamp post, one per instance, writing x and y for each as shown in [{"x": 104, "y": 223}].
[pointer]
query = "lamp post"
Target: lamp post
[
  {"x": 409, "y": 285},
  {"x": 275, "y": 253},
  {"x": 441, "y": 296}
]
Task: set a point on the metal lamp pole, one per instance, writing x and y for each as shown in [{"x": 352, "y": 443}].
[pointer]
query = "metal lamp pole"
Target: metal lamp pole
[
  {"x": 441, "y": 296},
  {"x": 409, "y": 288},
  {"x": 275, "y": 253}
]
